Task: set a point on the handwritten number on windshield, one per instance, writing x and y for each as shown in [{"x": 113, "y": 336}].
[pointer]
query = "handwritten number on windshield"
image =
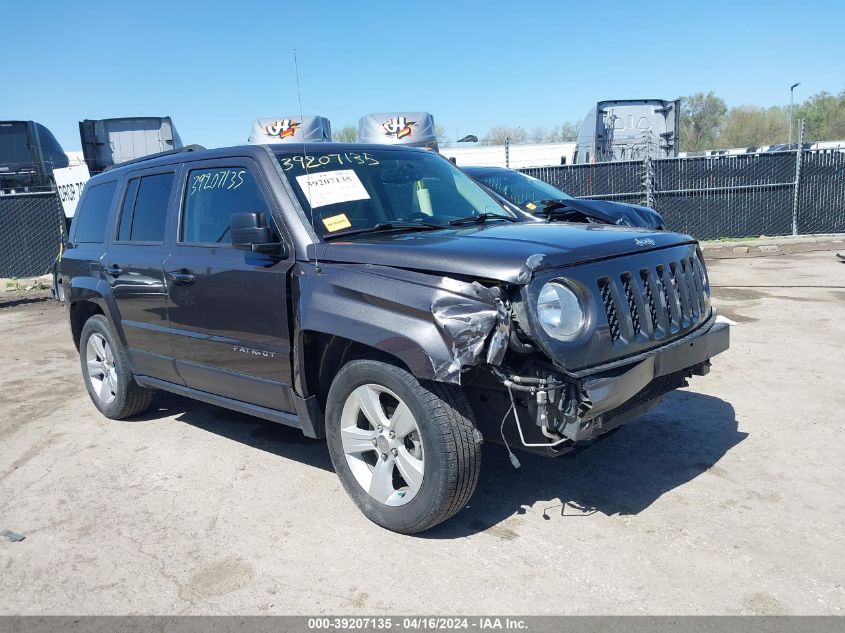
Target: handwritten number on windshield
[{"x": 326, "y": 160}]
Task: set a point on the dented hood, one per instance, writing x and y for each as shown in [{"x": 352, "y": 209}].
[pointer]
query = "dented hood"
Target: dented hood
[{"x": 500, "y": 251}]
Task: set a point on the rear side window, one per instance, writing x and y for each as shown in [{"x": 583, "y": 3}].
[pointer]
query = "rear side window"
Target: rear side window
[
  {"x": 144, "y": 211},
  {"x": 211, "y": 197},
  {"x": 90, "y": 221}
]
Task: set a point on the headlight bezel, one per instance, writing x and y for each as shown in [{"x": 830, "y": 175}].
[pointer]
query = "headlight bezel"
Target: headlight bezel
[{"x": 574, "y": 299}]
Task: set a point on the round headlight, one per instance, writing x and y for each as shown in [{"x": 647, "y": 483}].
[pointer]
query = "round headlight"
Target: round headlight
[{"x": 559, "y": 311}]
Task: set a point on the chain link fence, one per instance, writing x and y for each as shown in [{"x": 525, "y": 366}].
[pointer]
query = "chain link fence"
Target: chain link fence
[
  {"x": 31, "y": 228},
  {"x": 710, "y": 197}
]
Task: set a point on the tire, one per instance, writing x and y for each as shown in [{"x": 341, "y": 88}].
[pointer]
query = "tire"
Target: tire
[
  {"x": 58, "y": 289},
  {"x": 380, "y": 470},
  {"x": 109, "y": 381}
]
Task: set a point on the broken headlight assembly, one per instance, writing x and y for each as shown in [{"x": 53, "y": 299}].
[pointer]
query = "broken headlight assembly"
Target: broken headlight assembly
[{"x": 560, "y": 311}]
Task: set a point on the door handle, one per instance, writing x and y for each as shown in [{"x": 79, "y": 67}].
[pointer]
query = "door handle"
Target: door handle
[
  {"x": 182, "y": 278},
  {"x": 114, "y": 270}
]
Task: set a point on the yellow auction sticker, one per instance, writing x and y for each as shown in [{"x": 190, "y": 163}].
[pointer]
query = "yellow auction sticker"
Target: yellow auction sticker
[
  {"x": 530, "y": 206},
  {"x": 337, "y": 222}
]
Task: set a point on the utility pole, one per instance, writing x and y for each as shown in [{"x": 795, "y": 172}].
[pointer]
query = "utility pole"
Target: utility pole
[
  {"x": 798, "y": 156},
  {"x": 791, "y": 91}
]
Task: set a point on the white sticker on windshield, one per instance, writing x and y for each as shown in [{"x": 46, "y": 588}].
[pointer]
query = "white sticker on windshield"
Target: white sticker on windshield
[{"x": 331, "y": 187}]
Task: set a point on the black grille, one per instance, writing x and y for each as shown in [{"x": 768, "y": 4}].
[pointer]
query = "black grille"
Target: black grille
[
  {"x": 662, "y": 300},
  {"x": 649, "y": 297},
  {"x": 632, "y": 302},
  {"x": 610, "y": 309}
]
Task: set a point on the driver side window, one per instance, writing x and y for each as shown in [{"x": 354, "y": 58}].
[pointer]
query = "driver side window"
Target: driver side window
[{"x": 211, "y": 197}]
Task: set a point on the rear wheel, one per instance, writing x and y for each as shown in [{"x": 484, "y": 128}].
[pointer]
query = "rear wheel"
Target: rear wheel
[
  {"x": 109, "y": 381},
  {"x": 406, "y": 452}
]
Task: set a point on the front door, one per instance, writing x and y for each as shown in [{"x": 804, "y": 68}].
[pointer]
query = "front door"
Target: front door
[
  {"x": 228, "y": 308},
  {"x": 134, "y": 267}
]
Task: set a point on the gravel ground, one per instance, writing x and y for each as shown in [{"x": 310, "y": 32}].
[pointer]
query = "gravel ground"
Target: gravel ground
[{"x": 729, "y": 498}]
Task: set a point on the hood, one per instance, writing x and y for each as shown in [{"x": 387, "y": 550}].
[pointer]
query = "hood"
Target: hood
[
  {"x": 618, "y": 213},
  {"x": 500, "y": 251}
]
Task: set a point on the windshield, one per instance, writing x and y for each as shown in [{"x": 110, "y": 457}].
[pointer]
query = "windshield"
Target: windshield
[
  {"x": 355, "y": 191},
  {"x": 524, "y": 191}
]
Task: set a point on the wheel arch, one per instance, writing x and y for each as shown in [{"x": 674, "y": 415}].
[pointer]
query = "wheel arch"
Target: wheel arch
[
  {"x": 431, "y": 325},
  {"x": 322, "y": 355},
  {"x": 85, "y": 297}
]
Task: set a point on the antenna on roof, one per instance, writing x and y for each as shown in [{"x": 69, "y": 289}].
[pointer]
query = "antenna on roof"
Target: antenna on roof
[{"x": 305, "y": 164}]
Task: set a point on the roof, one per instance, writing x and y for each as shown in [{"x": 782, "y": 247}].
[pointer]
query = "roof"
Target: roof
[
  {"x": 329, "y": 148},
  {"x": 197, "y": 152}
]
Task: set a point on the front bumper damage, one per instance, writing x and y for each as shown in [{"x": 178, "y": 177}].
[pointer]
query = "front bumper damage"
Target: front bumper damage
[
  {"x": 609, "y": 391},
  {"x": 651, "y": 327},
  {"x": 554, "y": 411}
]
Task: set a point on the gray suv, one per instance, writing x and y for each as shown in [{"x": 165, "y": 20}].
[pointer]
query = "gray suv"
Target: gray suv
[{"x": 378, "y": 297}]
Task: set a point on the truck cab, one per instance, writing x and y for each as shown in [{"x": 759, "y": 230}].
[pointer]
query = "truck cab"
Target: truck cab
[{"x": 28, "y": 155}]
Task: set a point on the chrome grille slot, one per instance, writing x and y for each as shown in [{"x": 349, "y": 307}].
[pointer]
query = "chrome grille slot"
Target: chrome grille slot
[{"x": 610, "y": 309}]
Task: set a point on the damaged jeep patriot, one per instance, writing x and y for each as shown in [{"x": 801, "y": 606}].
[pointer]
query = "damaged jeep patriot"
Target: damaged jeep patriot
[{"x": 378, "y": 297}]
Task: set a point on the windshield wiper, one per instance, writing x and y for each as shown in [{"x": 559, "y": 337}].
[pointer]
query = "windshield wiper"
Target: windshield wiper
[
  {"x": 386, "y": 226},
  {"x": 481, "y": 218}
]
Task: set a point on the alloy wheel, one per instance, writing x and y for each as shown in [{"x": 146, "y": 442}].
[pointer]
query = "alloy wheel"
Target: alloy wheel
[
  {"x": 99, "y": 359},
  {"x": 382, "y": 444}
]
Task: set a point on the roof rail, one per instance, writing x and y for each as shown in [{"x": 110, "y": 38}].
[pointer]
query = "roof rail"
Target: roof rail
[{"x": 187, "y": 148}]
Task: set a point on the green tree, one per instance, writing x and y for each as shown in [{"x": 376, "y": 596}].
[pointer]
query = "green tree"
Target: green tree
[
  {"x": 346, "y": 134},
  {"x": 824, "y": 117},
  {"x": 751, "y": 126},
  {"x": 702, "y": 118}
]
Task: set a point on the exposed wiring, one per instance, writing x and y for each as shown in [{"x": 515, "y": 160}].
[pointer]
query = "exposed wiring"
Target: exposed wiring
[{"x": 513, "y": 457}]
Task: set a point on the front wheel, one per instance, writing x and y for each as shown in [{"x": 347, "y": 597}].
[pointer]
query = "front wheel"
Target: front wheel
[{"x": 407, "y": 452}]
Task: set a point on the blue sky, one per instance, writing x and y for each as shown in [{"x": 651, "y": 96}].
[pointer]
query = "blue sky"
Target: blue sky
[{"x": 215, "y": 66}]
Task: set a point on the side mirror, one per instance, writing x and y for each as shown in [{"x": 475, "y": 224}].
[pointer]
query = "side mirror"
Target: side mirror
[{"x": 251, "y": 233}]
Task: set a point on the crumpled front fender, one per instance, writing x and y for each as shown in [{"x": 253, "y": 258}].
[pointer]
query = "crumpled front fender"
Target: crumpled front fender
[{"x": 435, "y": 325}]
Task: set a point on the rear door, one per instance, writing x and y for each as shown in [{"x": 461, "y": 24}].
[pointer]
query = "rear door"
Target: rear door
[
  {"x": 228, "y": 308},
  {"x": 134, "y": 267}
]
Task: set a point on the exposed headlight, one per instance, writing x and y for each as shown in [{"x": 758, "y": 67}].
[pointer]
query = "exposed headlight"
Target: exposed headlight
[{"x": 560, "y": 312}]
